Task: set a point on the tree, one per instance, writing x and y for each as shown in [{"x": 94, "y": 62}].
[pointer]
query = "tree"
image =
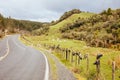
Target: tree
[
  {"x": 115, "y": 35},
  {"x": 103, "y": 12},
  {"x": 69, "y": 13},
  {"x": 109, "y": 11}
]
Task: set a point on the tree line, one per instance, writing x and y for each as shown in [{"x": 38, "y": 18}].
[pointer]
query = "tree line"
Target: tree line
[{"x": 11, "y": 25}]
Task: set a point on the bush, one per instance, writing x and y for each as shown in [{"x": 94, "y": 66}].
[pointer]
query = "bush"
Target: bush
[{"x": 69, "y": 13}]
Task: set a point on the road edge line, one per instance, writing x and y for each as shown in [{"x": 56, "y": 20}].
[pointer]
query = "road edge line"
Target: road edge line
[
  {"x": 46, "y": 77},
  {"x": 2, "y": 57}
]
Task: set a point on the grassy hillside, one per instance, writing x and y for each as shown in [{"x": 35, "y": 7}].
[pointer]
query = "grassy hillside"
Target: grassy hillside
[
  {"x": 54, "y": 30},
  {"x": 100, "y": 30}
]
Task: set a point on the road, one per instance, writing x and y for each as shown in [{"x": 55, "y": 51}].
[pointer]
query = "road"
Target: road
[{"x": 20, "y": 62}]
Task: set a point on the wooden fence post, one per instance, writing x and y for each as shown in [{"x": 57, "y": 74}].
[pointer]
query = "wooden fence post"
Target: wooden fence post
[
  {"x": 66, "y": 55},
  {"x": 79, "y": 57},
  {"x": 72, "y": 54},
  {"x": 97, "y": 63},
  {"x": 63, "y": 53},
  {"x": 87, "y": 56},
  {"x": 76, "y": 60},
  {"x": 71, "y": 57},
  {"x": 113, "y": 70},
  {"x": 98, "y": 69},
  {"x": 69, "y": 51},
  {"x": 87, "y": 65}
]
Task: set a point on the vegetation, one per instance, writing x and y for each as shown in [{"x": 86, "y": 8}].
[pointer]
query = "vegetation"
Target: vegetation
[
  {"x": 81, "y": 32},
  {"x": 69, "y": 13},
  {"x": 100, "y": 30},
  {"x": 86, "y": 33},
  {"x": 55, "y": 28},
  {"x": 66, "y": 15},
  {"x": 11, "y": 25},
  {"x": 79, "y": 46}
]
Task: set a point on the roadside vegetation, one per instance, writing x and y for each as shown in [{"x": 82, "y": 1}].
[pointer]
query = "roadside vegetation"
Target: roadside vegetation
[{"x": 79, "y": 46}]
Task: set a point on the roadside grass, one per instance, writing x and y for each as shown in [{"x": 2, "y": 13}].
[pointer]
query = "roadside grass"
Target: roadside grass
[{"x": 108, "y": 56}]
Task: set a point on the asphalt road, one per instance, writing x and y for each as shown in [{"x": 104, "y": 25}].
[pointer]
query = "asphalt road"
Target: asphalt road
[{"x": 20, "y": 62}]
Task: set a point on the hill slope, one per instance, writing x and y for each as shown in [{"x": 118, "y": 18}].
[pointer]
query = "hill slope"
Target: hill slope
[
  {"x": 100, "y": 30},
  {"x": 54, "y": 29}
]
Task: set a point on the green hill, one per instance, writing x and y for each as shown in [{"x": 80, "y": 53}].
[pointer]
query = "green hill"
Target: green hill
[
  {"x": 98, "y": 30},
  {"x": 70, "y": 20}
]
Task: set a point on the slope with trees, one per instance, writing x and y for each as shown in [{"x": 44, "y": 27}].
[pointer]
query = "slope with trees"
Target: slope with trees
[
  {"x": 22, "y": 26},
  {"x": 100, "y": 30}
]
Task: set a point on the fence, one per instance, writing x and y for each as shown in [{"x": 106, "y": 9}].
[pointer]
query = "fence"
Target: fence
[{"x": 76, "y": 57}]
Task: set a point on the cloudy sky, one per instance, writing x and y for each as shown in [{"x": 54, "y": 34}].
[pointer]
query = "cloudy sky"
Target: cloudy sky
[{"x": 48, "y": 10}]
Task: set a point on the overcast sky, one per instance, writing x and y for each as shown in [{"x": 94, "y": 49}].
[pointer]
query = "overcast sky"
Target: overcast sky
[{"x": 48, "y": 10}]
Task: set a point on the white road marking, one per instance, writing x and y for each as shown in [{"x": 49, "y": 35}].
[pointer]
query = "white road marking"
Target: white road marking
[
  {"x": 2, "y": 57},
  {"x": 46, "y": 77},
  {"x": 18, "y": 44}
]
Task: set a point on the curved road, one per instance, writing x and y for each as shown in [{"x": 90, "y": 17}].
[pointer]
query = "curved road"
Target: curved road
[{"x": 20, "y": 62}]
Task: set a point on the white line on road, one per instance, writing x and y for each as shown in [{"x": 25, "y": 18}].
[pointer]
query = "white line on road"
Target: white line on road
[
  {"x": 18, "y": 44},
  {"x": 2, "y": 57},
  {"x": 46, "y": 77}
]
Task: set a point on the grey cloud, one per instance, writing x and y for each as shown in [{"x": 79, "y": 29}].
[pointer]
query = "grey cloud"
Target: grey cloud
[{"x": 47, "y": 10}]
